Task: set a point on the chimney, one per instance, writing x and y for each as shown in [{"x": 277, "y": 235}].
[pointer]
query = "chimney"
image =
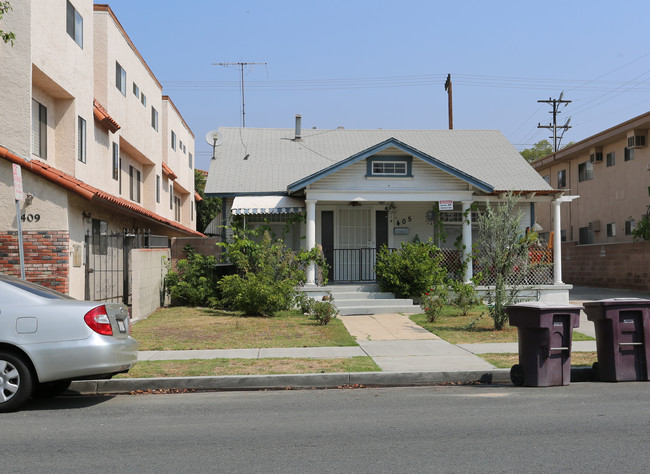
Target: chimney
[{"x": 298, "y": 127}]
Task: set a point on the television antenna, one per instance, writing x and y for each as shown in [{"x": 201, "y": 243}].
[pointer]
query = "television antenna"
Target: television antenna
[{"x": 240, "y": 65}]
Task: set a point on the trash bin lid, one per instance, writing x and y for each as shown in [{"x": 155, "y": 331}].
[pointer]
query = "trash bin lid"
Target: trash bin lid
[
  {"x": 544, "y": 306},
  {"x": 619, "y": 301}
]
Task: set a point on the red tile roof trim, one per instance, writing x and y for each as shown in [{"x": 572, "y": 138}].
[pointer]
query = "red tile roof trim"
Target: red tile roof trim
[
  {"x": 197, "y": 197},
  {"x": 86, "y": 191},
  {"x": 167, "y": 171},
  {"x": 102, "y": 116}
]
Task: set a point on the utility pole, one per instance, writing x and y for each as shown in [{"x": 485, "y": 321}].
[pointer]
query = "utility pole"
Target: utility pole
[
  {"x": 555, "y": 103},
  {"x": 241, "y": 67},
  {"x": 451, "y": 111}
]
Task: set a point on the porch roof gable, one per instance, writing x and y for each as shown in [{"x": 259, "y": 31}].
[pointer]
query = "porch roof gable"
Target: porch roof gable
[{"x": 394, "y": 143}]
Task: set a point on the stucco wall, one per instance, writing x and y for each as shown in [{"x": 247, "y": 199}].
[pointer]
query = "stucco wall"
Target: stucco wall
[{"x": 149, "y": 270}]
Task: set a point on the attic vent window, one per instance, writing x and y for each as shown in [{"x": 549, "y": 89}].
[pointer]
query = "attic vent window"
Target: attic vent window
[{"x": 389, "y": 167}]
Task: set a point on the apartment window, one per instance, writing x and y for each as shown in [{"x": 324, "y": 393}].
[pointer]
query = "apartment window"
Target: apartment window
[
  {"x": 39, "y": 129},
  {"x": 184, "y": 149},
  {"x": 143, "y": 99},
  {"x": 561, "y": 179},
  {"x": 116, "y": 161},
  {"x": 74, "y": 25},
  {"x": 586, "y": 236},
  {"x": 629, "y": 154},
  {"x": 190, "y": 160},
  {"x": 171, "y": 195},
  {"x": 177, "y": 208},
  {"x": 547, "y": 178},
  {"x": 154, "y": 119},
  {"x": 611, "y": 159},
  {"x": 585, "y": 171},
  {"x": 611, "y": 229},
  {"x": 134, "y": 184},
  {"x": 173, "y": 140},
  {"x": 629, "y": 227},
  {"x": 181, "y": 147},
  {"x": 158, "y": 188},
  {"x": 136, "y": 90},
  {"x": 120, "y": 78},
  {"x": 99, "y": 237},
  {"x": 81, "y": 139}
]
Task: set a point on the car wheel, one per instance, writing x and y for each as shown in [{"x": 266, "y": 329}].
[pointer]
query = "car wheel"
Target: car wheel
[
  {"x": 51, "y": 389},
  {"x": 15, "y": 382}
]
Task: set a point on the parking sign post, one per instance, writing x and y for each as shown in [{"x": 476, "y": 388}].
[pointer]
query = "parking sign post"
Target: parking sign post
[{"x": 18, "y": 192}]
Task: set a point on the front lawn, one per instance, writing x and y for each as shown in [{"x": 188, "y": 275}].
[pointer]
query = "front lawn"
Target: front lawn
[
  {"x": 217, "y": 367},
  {"x": 506, "y": 361},
  {"x": 476, "y": 327},
  {"x": 184, "y": 328}
]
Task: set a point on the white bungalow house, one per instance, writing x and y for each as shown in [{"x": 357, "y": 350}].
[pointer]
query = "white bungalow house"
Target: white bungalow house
[{"x": 361, "y": 189}]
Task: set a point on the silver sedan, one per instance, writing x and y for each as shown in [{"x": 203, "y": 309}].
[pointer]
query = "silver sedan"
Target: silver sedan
[{"x": 48, "y": 339}]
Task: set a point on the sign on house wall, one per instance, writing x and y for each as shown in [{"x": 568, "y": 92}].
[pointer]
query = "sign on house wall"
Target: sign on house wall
[{"x": 18, "y": 182}]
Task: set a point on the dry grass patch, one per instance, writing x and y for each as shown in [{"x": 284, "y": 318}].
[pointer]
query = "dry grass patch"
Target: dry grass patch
[
  {"x": 505, "y": 361},
  {"x": 181, "y": 328},
  {"x": 476, "y": 327},
  {"x": 215, "y": 367}
]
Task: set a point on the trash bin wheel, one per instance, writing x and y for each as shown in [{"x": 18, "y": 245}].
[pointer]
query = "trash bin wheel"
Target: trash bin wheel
[
  {"x": 517, "y": 375},
  {"x": 595, "y": 371}
]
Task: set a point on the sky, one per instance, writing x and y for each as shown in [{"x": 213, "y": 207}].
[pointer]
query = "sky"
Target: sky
[{"x": 383, "y": 64}]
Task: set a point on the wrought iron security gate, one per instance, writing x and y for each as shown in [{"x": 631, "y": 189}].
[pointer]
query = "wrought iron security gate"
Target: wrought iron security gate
[{"x": 108, "y": 262}]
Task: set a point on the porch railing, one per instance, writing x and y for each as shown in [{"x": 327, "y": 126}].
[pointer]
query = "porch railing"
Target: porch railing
[{"x": 352, "y": 265}]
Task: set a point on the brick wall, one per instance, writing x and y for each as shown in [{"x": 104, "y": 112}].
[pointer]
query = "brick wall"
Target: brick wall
[
  {"x": 624, "y": 265},
  {"x": 46, "y": 257}
]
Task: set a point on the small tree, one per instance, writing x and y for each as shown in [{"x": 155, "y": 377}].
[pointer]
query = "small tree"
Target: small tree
[{"x": 503, "y": 253}]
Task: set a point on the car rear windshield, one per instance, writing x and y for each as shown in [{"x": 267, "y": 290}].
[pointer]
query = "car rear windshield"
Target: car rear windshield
[{"x": 35, "y": 289}]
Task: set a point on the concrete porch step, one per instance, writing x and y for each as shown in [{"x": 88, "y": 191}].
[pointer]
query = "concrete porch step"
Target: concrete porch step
[{"x": 366, "y": 298}]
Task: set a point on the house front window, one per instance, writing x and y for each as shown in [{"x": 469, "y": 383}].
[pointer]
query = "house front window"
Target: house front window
[{"x": 389, "y": 167}]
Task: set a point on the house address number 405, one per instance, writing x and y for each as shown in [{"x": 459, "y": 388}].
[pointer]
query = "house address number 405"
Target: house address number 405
[{"x": 30, "y": 217}]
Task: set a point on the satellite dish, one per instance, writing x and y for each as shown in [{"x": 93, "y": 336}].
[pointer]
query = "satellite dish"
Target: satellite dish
[{"x": 214, "y": 138}]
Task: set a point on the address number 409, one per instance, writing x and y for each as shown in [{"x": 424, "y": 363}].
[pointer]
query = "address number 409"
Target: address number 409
[{"x": 30, "y": 217}]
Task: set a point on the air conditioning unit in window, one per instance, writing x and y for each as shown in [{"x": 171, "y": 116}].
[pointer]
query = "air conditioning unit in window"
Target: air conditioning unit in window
[
  {"x": 637, "y": 139},
  {"x": 596, "y": 155},
  {"x": 594, "y": 226}
]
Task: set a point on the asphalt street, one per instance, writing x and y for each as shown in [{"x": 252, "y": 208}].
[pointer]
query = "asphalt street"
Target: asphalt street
[{"x": 584, "y": 427}]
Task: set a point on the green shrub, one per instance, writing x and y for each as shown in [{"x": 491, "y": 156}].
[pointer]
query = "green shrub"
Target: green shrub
[
  {"x": 194, "y": 282},
  {"x": 323, "y": 312},
  {"x": 411, "y": 270},
  {"x": 464, "y": 296},
  {"x": 256, "y": 295},
  {"x": 433, "y": 301},
  {"x": 304, "y": 302}
]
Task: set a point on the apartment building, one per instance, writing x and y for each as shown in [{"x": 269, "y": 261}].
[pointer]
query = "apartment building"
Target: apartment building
[
  {"x": 609, "y": 176},
  {"x": 100, "y": 147}
]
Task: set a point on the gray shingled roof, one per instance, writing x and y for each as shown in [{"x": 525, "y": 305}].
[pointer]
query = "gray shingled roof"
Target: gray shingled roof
[{"x": 275, "y": 160}]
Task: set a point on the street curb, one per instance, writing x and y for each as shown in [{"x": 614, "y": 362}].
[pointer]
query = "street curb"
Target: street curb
[{"x": 279, "y": 382}]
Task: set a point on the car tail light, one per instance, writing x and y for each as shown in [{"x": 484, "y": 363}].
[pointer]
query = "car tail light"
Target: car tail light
[{"x": 97, "y": 320}]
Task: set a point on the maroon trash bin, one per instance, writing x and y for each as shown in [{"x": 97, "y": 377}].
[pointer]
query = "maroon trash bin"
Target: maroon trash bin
[
  {"x": 545, "y": 335},
  {"x": 622, "y": 338}
]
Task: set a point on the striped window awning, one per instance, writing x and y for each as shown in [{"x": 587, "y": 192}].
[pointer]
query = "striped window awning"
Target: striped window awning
[{"x": 247, "y": 205}]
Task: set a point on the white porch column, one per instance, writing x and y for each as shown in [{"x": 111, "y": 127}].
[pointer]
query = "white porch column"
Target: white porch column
[
  {"x": 310, "y": 239},
  {"x": 557, "y": 242},
  {"x": 467, "y": 240}
]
